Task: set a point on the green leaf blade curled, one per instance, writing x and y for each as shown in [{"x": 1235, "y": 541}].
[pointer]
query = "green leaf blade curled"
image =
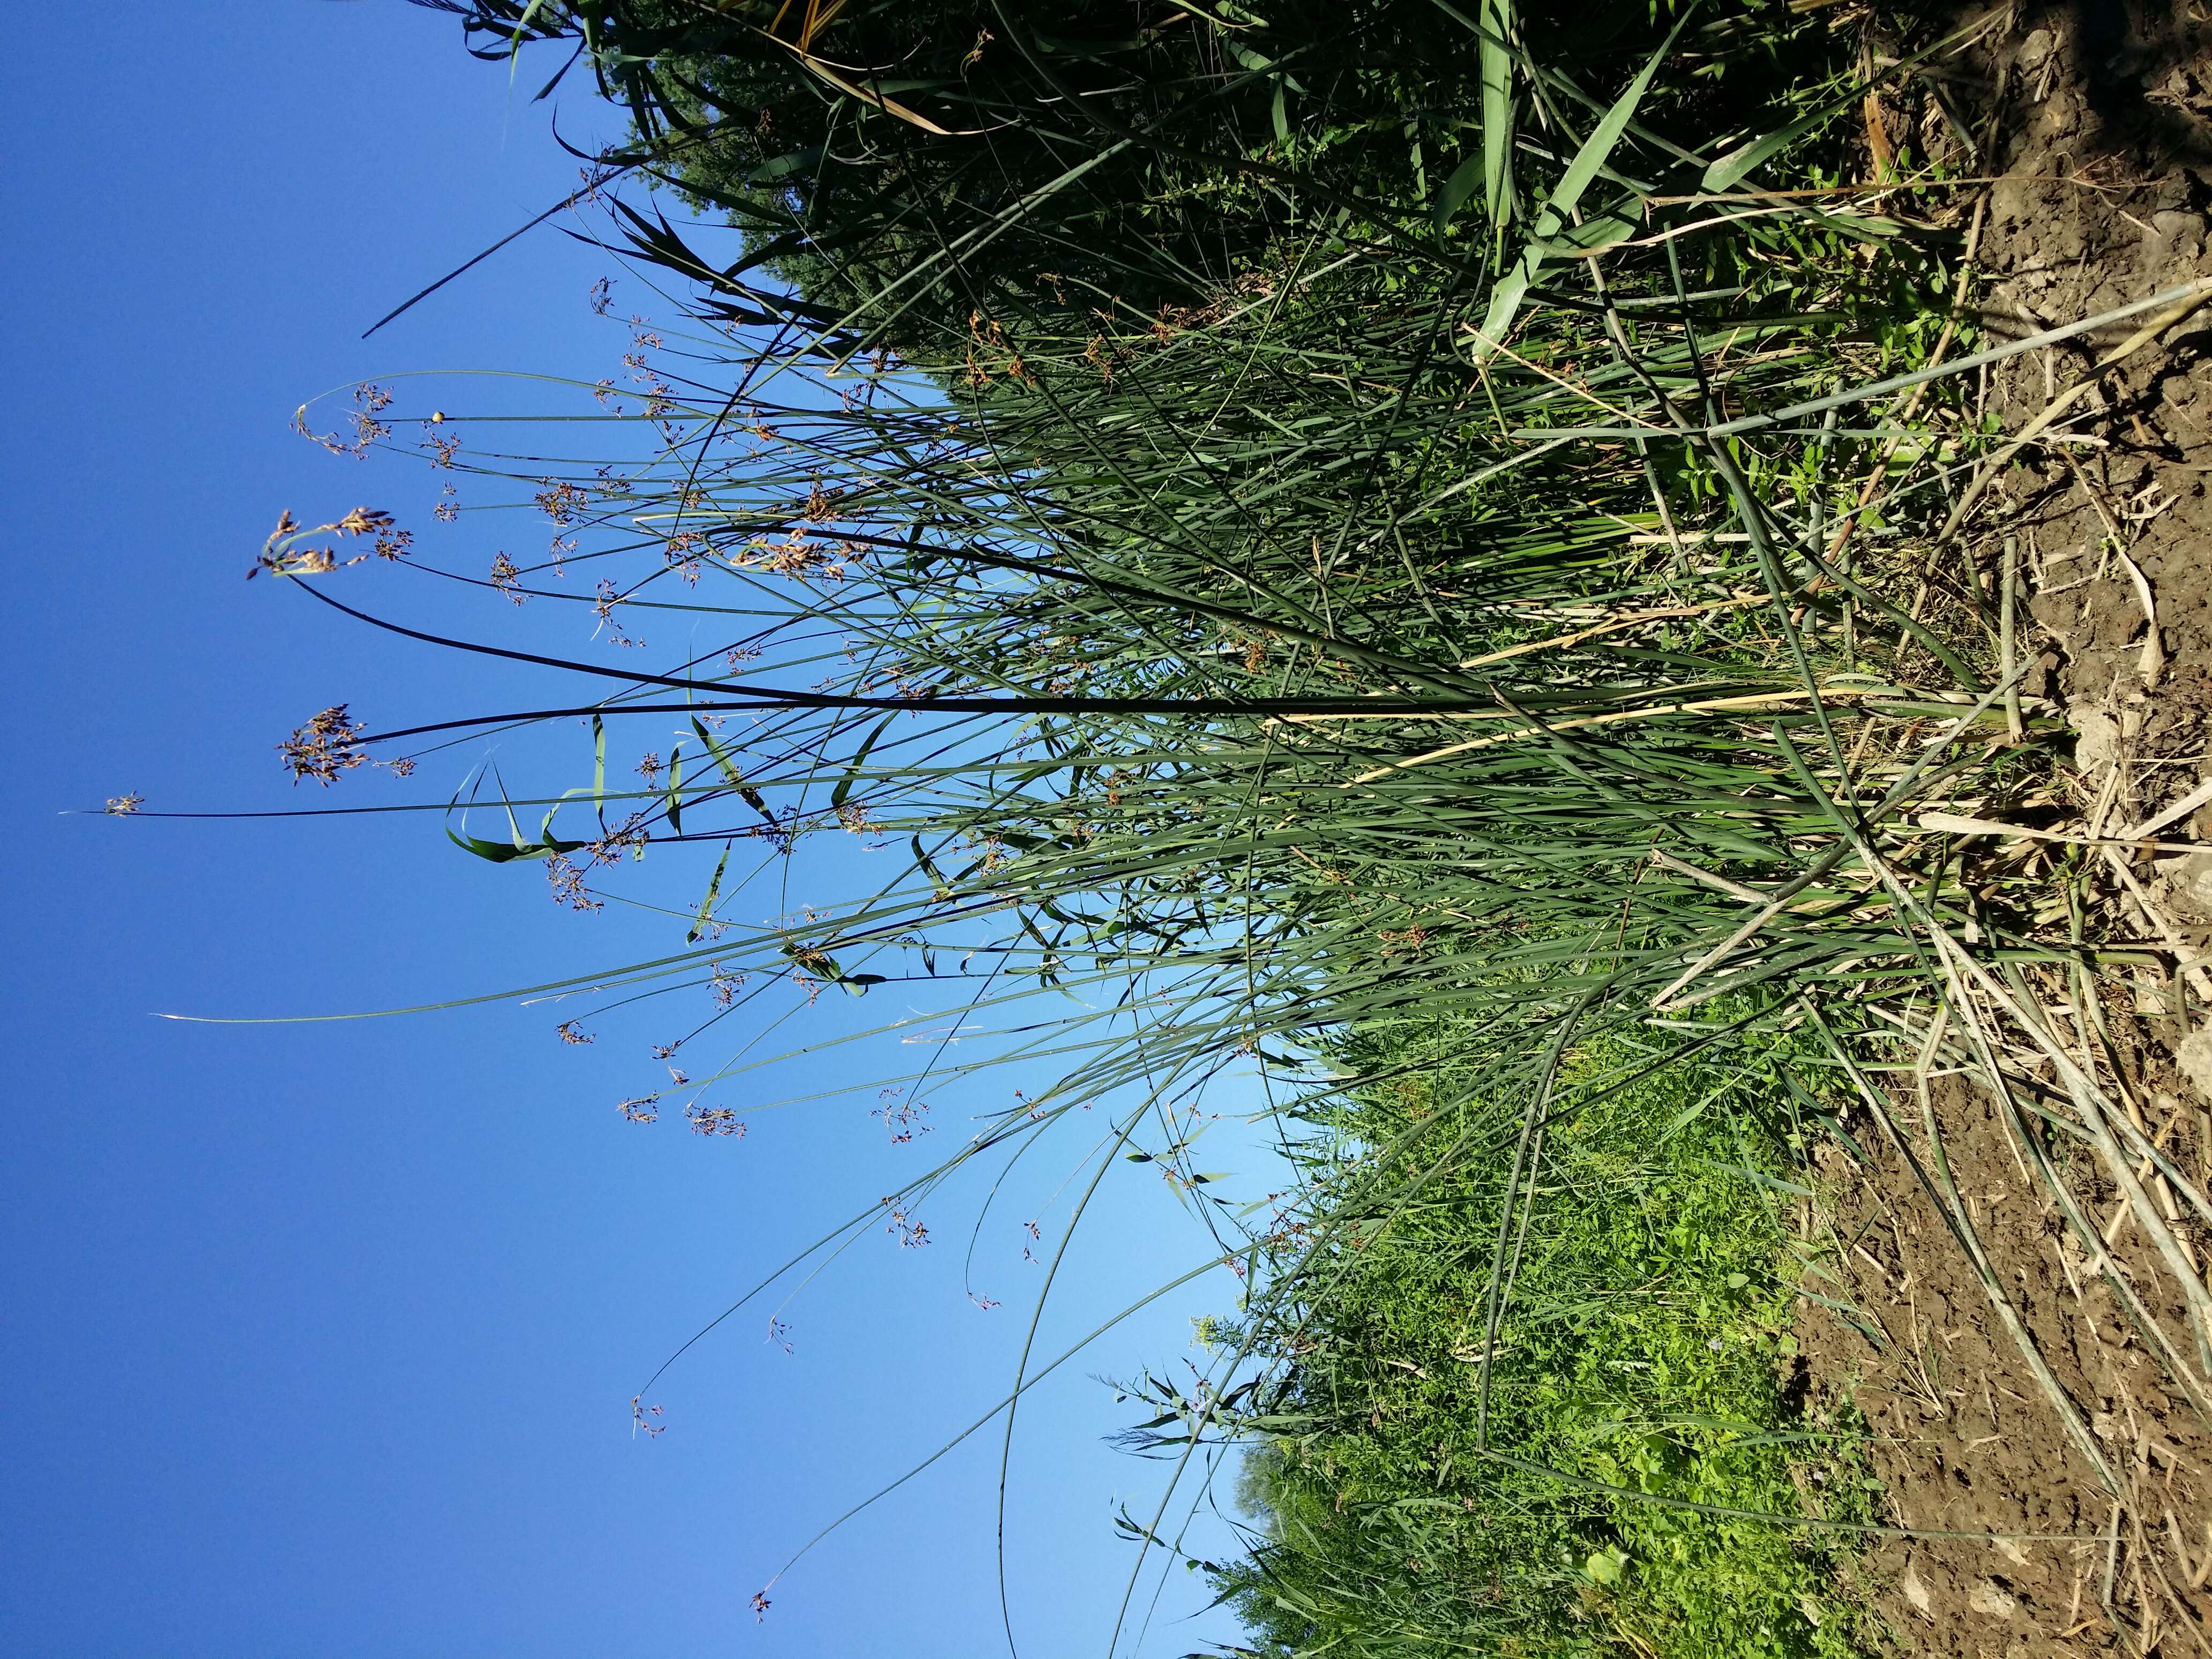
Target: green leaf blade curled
[{"x": 713, "y": 892}]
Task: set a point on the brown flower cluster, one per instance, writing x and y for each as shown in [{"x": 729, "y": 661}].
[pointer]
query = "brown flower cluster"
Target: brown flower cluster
[
  {"x": 796, "y": 556},
  {"x": 369, "y": 400},
  {"x": 1174, "y": 319},
  {"x": 989, "y": 338},
  {"x": 901, "y": 1119},
  {"x": 325, "y": 746},
  {"x": 631, "y": 834},
  {"x": 504, "y": 573},
  {"x": 1100, "y": 356},
  {"x": 561, "y": 500},
  {"x": 683, "y": 550},
  {"x": 282, "y": 554},
  {"x": 567, "y": 882},
  {"x": 715, "y": 1121},
  {"x": 609, "y": 598}
]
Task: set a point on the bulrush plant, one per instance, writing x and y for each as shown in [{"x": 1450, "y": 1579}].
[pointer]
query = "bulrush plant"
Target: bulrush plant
[{"x": 1386, "y": 579}]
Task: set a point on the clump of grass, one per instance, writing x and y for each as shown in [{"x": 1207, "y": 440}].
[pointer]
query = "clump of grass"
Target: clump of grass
[{"x": 1469, "y": 599}]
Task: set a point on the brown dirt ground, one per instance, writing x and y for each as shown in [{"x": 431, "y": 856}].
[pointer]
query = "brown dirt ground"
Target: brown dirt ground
[
  {"x": 1964, "y": 1440},
  {"x": 2098, "y": 116}
]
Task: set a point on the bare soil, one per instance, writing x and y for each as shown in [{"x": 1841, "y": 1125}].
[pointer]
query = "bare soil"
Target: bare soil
[
  {"x": 2098, "y": 115},
  {"x": 1963, "y": 1439}
]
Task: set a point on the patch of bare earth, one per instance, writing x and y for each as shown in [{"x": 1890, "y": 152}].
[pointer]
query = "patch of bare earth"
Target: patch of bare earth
[
  {"x": 2098, "y": 115},
  {"x": 1965, "y": 1442}
]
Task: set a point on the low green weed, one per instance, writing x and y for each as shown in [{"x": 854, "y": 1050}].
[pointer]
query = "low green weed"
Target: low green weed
[{"x": 1592, "y": 1489}]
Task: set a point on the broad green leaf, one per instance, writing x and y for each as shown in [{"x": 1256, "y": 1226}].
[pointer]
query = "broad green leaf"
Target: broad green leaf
[
  {"x": 1595, "y": 233},
  {"x": 735, "y": 779},
  {"x": 941, "y": 886},
  {"x": 1490, "y": 166},
  {"x": 505, "y": 852},
  {"x": 1457, "y": 189},
  {"x": 1607, "y": 1566},
  {"x": 837, "y": 796},
  {"x": 1567, "y": 195},
  {"x": 713, "y": 891},
  {"x": 1496, "y": 71},
  {"x": 515, "y": 44},
  {"x": 493, "y": 852},
  {"x": 798, "y": 160},
  {"x": 722, "y": 757},
  {"x": 820, "y": 963}
]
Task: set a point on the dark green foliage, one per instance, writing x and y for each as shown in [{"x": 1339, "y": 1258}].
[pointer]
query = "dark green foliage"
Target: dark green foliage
[{"x": 906, "y": 166}]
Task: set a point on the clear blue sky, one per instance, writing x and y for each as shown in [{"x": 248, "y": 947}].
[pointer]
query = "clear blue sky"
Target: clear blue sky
[{"x": 319, "y": 1339}]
